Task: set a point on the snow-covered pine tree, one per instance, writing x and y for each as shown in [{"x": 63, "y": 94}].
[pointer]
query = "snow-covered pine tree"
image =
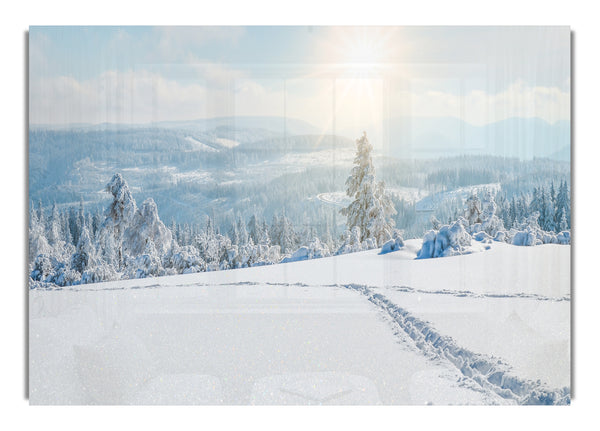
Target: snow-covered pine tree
[
  {"x": 148, "y": 263},
  {"x": 85, "y": 255},
  {"x": 242, "y": 232},
  {"x": 490, "y": 222},
  {"x": 435, "y": 223},
  {"x": 40, "y": 213},
  {"x": 234, "y": 234},
  {"x": 473, "y": 210},
  {"x": 275, "y": 231},
  {"x": 512, "y": 213},
  {"x": 563, "y": 202},
  {"x": 254, "y": 229},
  {"x": 146, "y": 226},
  {"x": 264, "y": 238},
  {"x": 371, "y": 209},
  {"x": 547, "y": 217},
  {"x": 287, "y": 239},
  {"x": 536, "y": 202},
  {"x": 173, "y": 230},
  {"x": 563, "y": 221},
  {"x": 119, "y": 216},
  {"x": 38, "y": 244},
  {"x": 81, "y": 218},
  {"x": 89, "y": 222},
  {"x": 381, "y": 225},
  {"x": 54, "y": 227}
]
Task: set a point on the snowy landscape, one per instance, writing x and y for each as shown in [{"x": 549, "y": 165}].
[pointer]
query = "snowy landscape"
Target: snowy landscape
[
  {"x": 468, "y": 314},
  {"x": 267, "y": 259}
]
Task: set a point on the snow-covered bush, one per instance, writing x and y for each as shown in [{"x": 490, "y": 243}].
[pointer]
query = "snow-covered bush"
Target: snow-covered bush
[
  {"x": 394, "y": 244},
  {"x": 315, "y": 250},
  {"x": 48, "y": 269},
  {"x": 529, "y": 233},
  {"x": 450, "y": 240},
  {"x": 351, "y": 242},
  {"x": 318, "y": 249},
  {"x": 369, "y": 244},
  {"x": 99, "y": 273},
  {"x": 300, "y": 254},
  {"x": 501, "y": 236},
  {"x": 187, "y": 260},
  {"x": 147, "y": 264},
  {"x": 43, "y": 267},
  {"x": 270, "y": 256},
  {"x": 482, "y": 237},
  {"x": 64, "y": 276},
  {"x": 526, "y": 237},
  {"x": 564, "y": 237}
]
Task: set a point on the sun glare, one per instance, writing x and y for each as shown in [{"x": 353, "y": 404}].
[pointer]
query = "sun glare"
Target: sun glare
[{"x": 367, "y": 46}]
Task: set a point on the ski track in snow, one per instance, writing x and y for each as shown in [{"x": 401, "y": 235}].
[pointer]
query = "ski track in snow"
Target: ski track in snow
[
  {"x": 407, "y": 289},
  {"x": 469, "y": 294},
  {"x": 488, "y": 372}
]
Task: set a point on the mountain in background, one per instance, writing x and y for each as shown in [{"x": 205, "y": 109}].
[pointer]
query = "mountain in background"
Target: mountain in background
[
  {"x": 523, "y": 138},
  {"x": 274, "y": 125}
]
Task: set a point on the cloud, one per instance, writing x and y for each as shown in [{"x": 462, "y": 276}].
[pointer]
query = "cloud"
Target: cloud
[
  {"x": 39, "y": 46},
  {"x": 116, "y": 97},
  {"x": 182, "y": 44},
  {"x": 204, "y": 90},
  {"x": 479, "y": 107}
]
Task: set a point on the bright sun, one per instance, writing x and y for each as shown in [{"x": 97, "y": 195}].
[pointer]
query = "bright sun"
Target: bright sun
[
  {"x": 358, "y": 60},
  {"x": 364, "y": 45}
]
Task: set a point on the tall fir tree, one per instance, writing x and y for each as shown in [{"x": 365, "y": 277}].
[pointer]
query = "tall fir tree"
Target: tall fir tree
[{"x": 371, "y": 209}]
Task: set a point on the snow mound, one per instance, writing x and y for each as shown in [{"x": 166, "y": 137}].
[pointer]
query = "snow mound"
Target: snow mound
[
  {"x": 482, "y": 237},
  {"x": 394, "y": 244},
  {"x": 315, "y": 250},
  {"x": 450, "y": 240}
]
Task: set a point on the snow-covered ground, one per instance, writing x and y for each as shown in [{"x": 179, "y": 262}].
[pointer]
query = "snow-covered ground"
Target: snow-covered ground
[{"x": 363, "y": 328}]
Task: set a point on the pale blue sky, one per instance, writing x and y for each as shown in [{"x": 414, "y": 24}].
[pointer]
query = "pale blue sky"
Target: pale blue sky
[{"x": 147, "y": 74}]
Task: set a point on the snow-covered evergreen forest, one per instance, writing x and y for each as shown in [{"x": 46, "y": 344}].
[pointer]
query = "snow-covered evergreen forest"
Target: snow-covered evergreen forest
[{"x": 293, "y": 216}]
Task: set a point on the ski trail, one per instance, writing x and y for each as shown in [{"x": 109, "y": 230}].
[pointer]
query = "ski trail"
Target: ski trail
[
  {"x": 407, "y": 289},
  {"x": 488, "y": 372},
  {"x": 456, "y": 293},
  {"x": 469, "y": 294}
]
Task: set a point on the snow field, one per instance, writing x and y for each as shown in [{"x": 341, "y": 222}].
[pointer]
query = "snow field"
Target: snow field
[
  {"x": 231, "y": 344},
  {"x": 362, "y": 328}
]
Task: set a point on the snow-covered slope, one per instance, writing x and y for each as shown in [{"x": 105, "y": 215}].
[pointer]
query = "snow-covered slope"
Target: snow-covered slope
[{"x": 362, "y": 328}]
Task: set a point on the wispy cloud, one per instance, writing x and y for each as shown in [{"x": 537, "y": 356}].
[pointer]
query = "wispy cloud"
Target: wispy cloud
[
  {"x": 479, "y": 107},
  {"x": 116, "y": 97}
]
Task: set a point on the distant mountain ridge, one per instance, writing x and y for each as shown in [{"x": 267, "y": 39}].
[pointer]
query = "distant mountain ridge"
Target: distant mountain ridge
[
  {"x": 288, "y": 126},
  {"x": 523, "y": 138},
  {"x": 403, "y": 137}
]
